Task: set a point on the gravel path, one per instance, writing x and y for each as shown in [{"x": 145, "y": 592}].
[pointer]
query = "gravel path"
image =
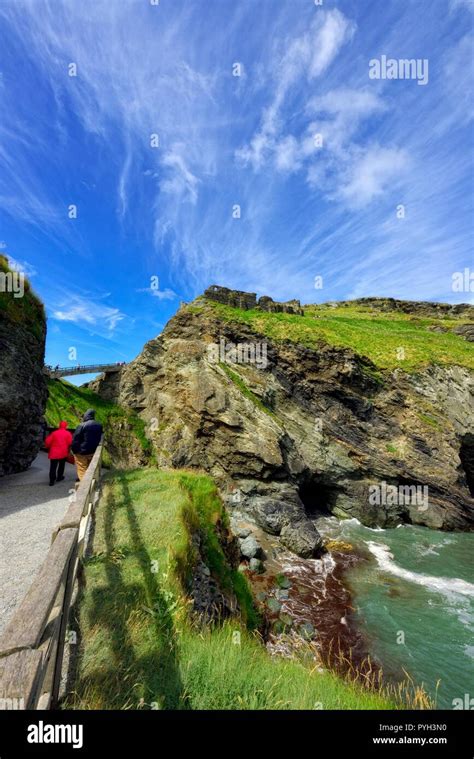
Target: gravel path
[{"x": 29, "y": 511}]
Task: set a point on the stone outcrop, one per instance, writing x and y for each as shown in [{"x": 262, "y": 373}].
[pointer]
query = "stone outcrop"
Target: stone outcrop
[
  {"x": 23, "y": 390},
  {"x": 466, "y": 331},
  {"x": 415, "y": 307},
  {"x": 333, "y": 434},
  {"x": 289, "y": 307}
]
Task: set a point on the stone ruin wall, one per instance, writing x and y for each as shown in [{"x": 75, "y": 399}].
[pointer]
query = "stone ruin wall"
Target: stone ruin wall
[{"x": 240, "y": 299}]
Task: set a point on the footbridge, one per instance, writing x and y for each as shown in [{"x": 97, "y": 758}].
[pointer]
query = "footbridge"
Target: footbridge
[{"x": 55, "y": 372}]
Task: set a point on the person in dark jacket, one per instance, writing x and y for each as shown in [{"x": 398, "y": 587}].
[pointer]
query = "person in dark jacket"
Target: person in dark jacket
[
  {"x": 85, "y": 441},
  {"x": 58, "y": 444}
]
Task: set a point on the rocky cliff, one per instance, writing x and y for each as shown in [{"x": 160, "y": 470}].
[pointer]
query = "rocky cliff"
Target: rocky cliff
[
  {"x": 289, "y": 429},
  {"x": 23, "y": 391}
]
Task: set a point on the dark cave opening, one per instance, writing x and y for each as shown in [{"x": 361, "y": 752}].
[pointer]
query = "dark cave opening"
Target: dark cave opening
[
  {"x": 317, "y": 497},
  {"x": 466, "y": 454}
]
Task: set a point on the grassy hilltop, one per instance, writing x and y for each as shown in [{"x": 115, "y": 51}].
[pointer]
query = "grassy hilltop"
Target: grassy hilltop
[{"x": 372, "y": 333}]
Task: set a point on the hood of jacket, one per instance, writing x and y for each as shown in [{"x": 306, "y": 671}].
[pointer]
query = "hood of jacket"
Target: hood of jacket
[
  {"x": 90, "y": 414},
  {"x": 63, "y": 425}
]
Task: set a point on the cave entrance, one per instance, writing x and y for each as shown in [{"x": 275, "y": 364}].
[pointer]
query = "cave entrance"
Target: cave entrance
[
  {"x": 466, "y": 454},
  {"x": 317, "y": 497}
]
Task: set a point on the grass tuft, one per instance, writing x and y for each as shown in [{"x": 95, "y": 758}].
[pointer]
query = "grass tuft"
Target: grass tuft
[{"x": 239, "y": 382}]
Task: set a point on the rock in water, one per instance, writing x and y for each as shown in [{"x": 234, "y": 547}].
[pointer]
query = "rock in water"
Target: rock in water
[
  {"x": 272, "y": 514},
  {"x": 23, "y": 389},
  {"x": 256, "y": 565},
  {"x": 302, "y": 538},
  {"x": 249, "y": 548}
]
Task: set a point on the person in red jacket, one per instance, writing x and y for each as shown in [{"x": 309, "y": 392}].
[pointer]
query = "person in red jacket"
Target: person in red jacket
[{"x": 58, "y": 444}]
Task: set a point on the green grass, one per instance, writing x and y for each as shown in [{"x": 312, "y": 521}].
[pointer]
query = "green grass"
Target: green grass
[
  {"x": 69, "y": 403},
  {"x": 431, "y": 421},
  {"x": 139, "y": 648},
  {"x": 138, "y": 428},
  {"x": 204, "y": 511},
  {"x": 27, "y": 311},
  {"x": 373, "y": 334},
  {"x": 239, "y": 382}
]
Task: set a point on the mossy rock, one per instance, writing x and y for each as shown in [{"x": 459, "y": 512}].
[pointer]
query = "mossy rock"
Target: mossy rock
[{"x": 339, "y": 545}]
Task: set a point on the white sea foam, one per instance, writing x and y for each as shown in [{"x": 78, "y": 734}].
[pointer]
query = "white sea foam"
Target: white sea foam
[
  {"x": 355, "y": 521},
  {"x": 444, "y": 585},
  {"x": 428, "y": 551},
  {"x": 323, "y": 566}
]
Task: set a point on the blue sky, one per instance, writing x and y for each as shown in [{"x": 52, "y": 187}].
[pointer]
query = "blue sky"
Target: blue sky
[{"x": 168, "y": 211}]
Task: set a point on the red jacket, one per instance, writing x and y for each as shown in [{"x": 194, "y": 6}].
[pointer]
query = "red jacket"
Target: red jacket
[{"x": 59, "y": 442}]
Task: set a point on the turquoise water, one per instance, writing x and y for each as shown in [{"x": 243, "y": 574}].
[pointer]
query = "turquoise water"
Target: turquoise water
[{"x": 414, "y": 600}]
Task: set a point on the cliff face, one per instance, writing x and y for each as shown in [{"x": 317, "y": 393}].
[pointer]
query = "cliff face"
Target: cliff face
[
  {"x": 23, "y": 391},
  {"x": 305, "y": 430}
]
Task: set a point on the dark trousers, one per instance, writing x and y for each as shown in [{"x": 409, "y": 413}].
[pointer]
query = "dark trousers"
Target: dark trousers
[{"x": 56, "y": 464}]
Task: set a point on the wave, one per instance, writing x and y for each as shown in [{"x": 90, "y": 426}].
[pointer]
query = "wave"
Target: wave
[
  {"x": 444, "y": 585},
  {"x": 354, "y": 521}
]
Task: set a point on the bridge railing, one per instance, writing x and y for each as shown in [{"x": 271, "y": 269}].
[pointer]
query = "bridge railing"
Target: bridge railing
[
  {"x": 68, "y": 371},
  {"x": 32, "y": 645}
]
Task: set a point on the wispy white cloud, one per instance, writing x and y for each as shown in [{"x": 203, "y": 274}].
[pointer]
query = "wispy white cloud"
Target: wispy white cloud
[
  {"x": 89, "y": 314},
  {"x": 338, "y": 114},
  {"x": 457, "y": 82},
  {"x": 338, "y": 165},
  {"x": 371, "y": 172},
  {"x": 455, "y": 4},
  {"x": 180, "y": 180},
  {"x": 165, "y": 294},
  {"x": 288, "y": 154},
  {"x": 306, "y": 58}
]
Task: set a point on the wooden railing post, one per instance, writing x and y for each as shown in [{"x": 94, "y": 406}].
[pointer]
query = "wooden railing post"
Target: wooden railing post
[{"x": 70, "y": 580}]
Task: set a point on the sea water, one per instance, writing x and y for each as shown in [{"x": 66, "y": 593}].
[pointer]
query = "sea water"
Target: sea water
[{"x": 414, "y": 601}]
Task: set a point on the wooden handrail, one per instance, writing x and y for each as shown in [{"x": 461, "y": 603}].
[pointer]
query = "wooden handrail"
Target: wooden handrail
[{"x": 32, "y": 645}]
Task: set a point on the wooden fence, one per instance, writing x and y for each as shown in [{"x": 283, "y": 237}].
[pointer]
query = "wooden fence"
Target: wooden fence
[{"x": 32, "y": 645}]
